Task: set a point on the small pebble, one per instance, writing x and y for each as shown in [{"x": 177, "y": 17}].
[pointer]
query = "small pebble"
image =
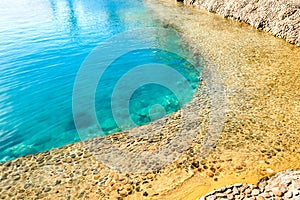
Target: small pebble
[
  {"x": 235, "y": 191},
  {"x": 228, "y": 191},
  {"x": 145, "y": 194},
  {"x": 278, "y": 193},
  {"x": 260, "y": 198},
  {"x": 21, "y": 191},
  {"x": 27, "y": 186},
  {"x": 230, "y": 196},
  {"x": 248, "y": 191},
  {"x": 195, "y": 164},
  {"x": 221, "y": 195},
  {"x": 210, "y": 174},
  {"x": 210, "y": 198},
  {"x": 283, "y": 190},
  {"x": 123, "y": 193},
  {"x": 288, "y": 194},
  {"x": 255, "y": 192}
]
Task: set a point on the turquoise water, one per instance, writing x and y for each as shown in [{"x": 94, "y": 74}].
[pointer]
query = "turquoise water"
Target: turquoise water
[{"x": 42, "y": 46}]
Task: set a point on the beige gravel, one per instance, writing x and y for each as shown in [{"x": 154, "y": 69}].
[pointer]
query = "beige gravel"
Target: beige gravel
[{"x": 260, "y": 134}]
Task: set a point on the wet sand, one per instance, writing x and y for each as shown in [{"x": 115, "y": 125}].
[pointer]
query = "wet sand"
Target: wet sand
[{"x": 259, "y": 78}]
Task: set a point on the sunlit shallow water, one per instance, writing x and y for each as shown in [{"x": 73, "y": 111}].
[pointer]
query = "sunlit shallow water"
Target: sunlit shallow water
[
  {"x": 42, "y": 45},
  {"x": 261, "y": 78}
]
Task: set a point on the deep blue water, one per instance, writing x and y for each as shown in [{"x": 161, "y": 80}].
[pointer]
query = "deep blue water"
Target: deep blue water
[{"x": 42, "y": 46}]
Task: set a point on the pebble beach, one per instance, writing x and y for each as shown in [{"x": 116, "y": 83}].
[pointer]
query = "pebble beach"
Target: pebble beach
[
  {"x": 284, "y": 185},
  {"x": 240, "y": 129}
]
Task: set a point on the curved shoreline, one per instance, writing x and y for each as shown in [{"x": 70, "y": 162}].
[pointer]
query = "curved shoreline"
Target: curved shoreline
[
  {"x": 257, "y": 71},
  {"x": 281, "y": 18},
  {"x": 260, "y": 135},
  {"x": 82, "y": 169}
]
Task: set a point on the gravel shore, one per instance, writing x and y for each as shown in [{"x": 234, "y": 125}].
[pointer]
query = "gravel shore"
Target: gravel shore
[
  {"x": 281, "y": 18},
  {"x": 259, "y": 75},
  {"x": 283, "y": 185}
]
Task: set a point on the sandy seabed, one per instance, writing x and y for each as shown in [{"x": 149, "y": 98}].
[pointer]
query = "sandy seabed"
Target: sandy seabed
[{"x": 260, "y": 130}]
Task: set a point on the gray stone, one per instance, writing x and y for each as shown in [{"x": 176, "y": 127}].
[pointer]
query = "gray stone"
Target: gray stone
[
  {"x": 295, "y": 192},
  {"x": 237, "y": 185},
  {"x": 221, "y": 195},
  {"x": 27, "y": 186},
  {"x": 288, "y": 194},
  {"x": 228, "y": 191},
  {"x": 248, "y": 191},
  {"x": 235, "y": 191},
  {"x": 255, "y": 192},
  {"x": 230, "y": 196},
  {"x": 210, "y": 198},
  {"x": 17, "y": 177},
  {"x": 283, "y": 189}
]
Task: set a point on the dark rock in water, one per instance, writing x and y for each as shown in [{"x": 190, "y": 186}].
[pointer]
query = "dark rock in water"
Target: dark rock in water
[
  {"x": 83, "y": 120},
  {"x": 27, "y": 186},
  {"x": 57, "y": 182},
  {"x": 195, "y": 164},
  {"x": 70, "y": 126},
  {"x": 17, "y": 177},
  {"x": 47, "y": 189},
  {"x": 145, "y": 194}
]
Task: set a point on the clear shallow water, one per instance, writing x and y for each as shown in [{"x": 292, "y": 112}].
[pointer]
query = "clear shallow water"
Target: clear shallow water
[{"x": 42, "y": 45}]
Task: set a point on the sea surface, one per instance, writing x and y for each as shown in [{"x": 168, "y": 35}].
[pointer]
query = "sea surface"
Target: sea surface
[{"x": 43, "y": 44}]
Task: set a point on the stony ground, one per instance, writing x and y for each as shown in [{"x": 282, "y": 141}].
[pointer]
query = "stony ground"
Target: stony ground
[
  {"x": 280, "y": 18},
  {"x": 258, "y": 76},
  {"x": 283, "y": 185},
  {"x": 132, "y": 163}
]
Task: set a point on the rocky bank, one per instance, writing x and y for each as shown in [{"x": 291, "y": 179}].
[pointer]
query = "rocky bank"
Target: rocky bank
[
  {"x": 278, "y": 17},
  {"x": 283, "y": 185},
  {"x": 259, "y": 76}
]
